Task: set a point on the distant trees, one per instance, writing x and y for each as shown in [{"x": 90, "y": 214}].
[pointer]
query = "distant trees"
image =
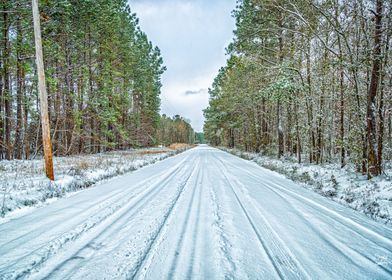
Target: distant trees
[
  {"x": 199, "y": 138},
  {"x": 175, "y": 130},
  {"x": 308, "y": 78},
  {"x": 103, "y": 78}
]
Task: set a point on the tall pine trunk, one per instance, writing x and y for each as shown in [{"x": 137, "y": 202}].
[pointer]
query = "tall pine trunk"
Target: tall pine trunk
[
  {"x": 373, "y": 164},
  {"x": 381, "y": 110},
  {"x": 19, "y": 91},
  {"x": 7, "y": 97}
]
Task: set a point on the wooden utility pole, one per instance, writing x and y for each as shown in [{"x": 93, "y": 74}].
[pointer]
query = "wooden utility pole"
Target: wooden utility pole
[{"x": 42, "y": 93}]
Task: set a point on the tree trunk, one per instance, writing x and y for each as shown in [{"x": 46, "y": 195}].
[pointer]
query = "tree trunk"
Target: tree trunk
[
  {"x": 309, "y": 107},
  {"x": 373, "y": 164},
  {"x": 19, "y": 91},
  {"x": 342, "y": 147},
  {"x": 2, "y": 61},
  {"x": 26, "y": 135},
  {"x": 381, "y": 111},
  {"x": 7, "y": 90},
  {"x": 280, "y": 130},
  {"x": 278, "y": 106},
  {"x": 298, "y": 148}
]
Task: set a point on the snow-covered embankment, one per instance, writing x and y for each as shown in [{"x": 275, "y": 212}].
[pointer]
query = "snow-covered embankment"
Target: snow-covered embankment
[{"x": 23, "y": 185}]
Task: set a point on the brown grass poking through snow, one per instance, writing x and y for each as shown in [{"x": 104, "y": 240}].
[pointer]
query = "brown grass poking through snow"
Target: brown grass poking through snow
[
  {"x": 180, "y": 146},
  {"x": 149, "y": 152}
]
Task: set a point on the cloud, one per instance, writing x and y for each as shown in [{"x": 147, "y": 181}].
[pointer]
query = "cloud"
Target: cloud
[
  {"x": 189, "y": 106},
  {"x": 192, "y": 36},
  {"x": 196, "y": 92}
]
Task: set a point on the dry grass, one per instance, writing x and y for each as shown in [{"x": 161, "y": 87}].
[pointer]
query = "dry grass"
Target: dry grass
[
  {"x": 180, "y": 146},
  {"x": 78, "y": 164},
  {"x": 83, "y": 165},
  {"x": 152, "y": 152}
]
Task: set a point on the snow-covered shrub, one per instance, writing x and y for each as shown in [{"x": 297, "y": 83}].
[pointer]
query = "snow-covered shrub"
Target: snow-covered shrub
[
  {"x": 329, "y": 191},
  {"x": 305, "y": 178}
]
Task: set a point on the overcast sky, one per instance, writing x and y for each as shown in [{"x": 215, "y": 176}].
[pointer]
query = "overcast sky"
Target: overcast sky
[{"x": 192, "y": 35}]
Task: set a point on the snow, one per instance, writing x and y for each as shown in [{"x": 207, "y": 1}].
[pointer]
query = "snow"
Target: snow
[
  {"x": 344, "y": 185},
  {"x": 202, "y": 214},
  {"x": 23, "y": 186}
]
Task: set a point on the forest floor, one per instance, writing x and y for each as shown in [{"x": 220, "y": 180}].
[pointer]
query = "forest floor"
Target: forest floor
[
  {"x": 23, "y": 185},
  {"x": 202, "y": 214},
  {"x": 344, "y": 185}
]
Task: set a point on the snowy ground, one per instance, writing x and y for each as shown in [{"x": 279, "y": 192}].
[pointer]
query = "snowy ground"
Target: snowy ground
[
  {"x": 372, "y": 197},
  {"x": 23, "y": 185},
  {"x": 203, "y": 214}
]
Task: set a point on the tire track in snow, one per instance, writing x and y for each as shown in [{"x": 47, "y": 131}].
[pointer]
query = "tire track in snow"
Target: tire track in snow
[
  {"x": 43, "y": 254},
  {"x": 232, "y": 270},
  {"x": 184, "y": 230},
  {"x": 196, "y": 230},
  {"x": 320, "y": 207},
  {"x": 321, "y": 235},
  {"x": 128, "y": 212},
  {"x": 285, "y": 256},
  {"x": 40, "y": 255},
  {"x": 36, "y": 233},
  {"x": 284, "y": 263},
  {"x": 224, "y": 242},
  {"x": 343, "y": 249},
  {"x": 145, "y": 260},
  {"x": 325, "y": 211},
  {"x": 102, "y": 203}
]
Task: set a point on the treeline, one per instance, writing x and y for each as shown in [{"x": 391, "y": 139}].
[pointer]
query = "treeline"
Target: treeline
[
  {"x": 199, "y": 138},
  {"x": 175, "y": 130},
  {"x": 308, "y": 78},
  {"x": 103, "y": 78}
]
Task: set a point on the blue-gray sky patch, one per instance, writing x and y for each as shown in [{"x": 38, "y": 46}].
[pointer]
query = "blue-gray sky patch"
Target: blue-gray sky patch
[{"x": 192, "y": 36}]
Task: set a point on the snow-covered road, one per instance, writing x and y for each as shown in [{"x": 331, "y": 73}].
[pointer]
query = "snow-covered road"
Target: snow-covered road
[{"x": 204, "y": 214}]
